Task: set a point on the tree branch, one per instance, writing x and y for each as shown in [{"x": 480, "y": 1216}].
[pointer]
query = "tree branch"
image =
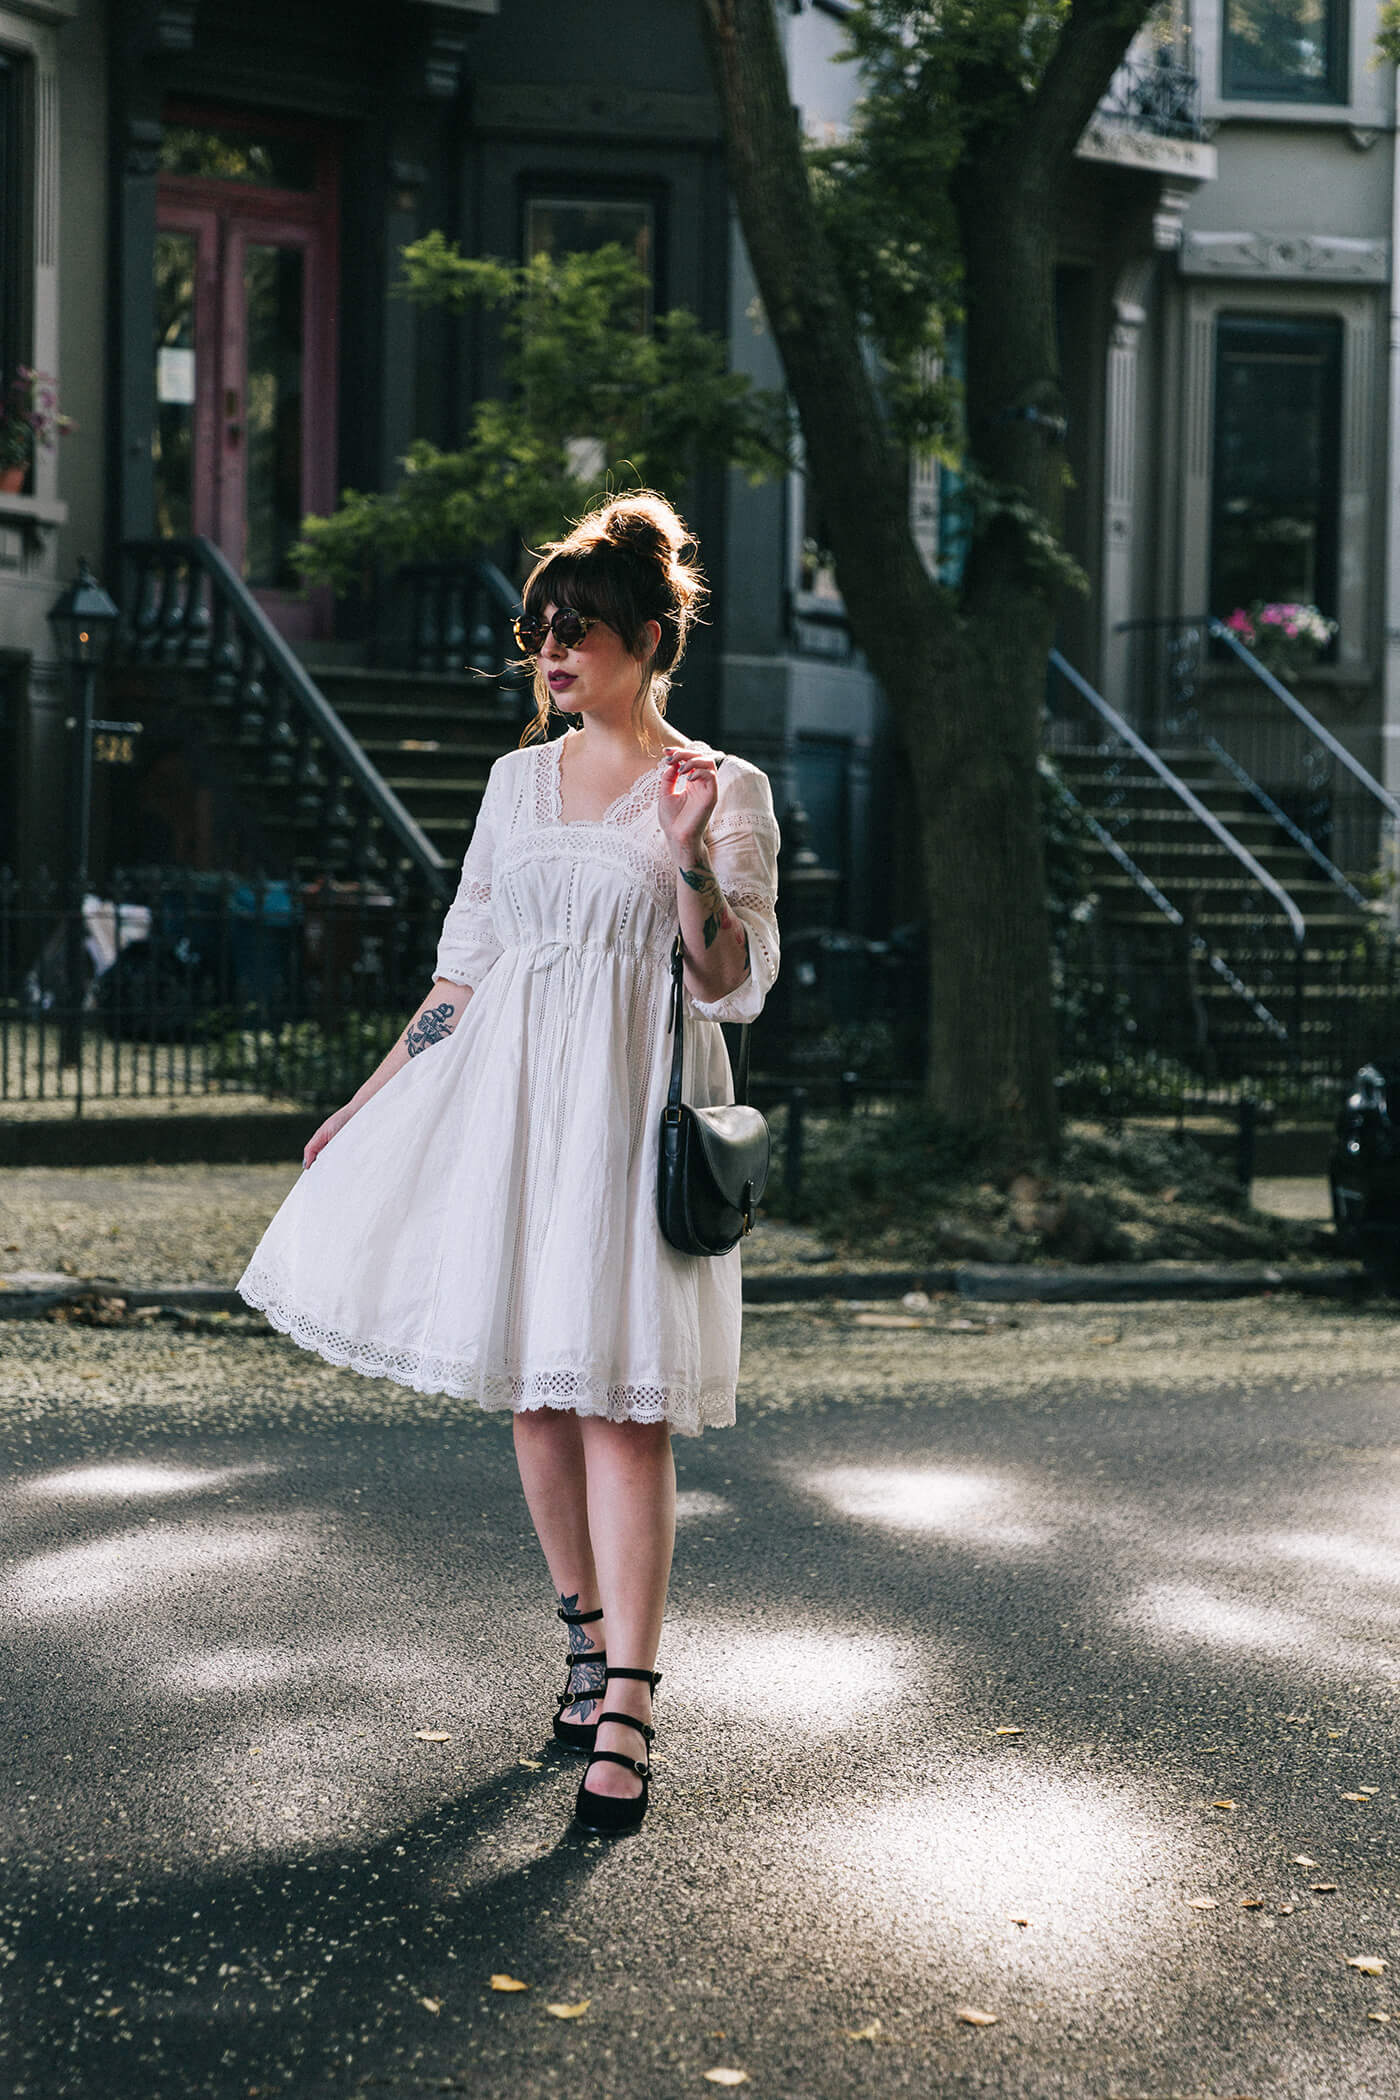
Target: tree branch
[{"x": 1090, "y": 50}]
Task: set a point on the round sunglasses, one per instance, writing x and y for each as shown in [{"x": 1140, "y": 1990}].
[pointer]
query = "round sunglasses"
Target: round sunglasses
[{"x": 568, "y": 628}]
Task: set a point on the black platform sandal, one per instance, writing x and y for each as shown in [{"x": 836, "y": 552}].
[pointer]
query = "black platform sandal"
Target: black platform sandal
[
  {"x": 612, "y": 1814},
  {"x": 578, "y": 1735}
]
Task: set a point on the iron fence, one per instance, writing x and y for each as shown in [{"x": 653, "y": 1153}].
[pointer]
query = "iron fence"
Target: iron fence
[
  {"x": 190, "y": 984},
  {"x": 198, "y": 985}
]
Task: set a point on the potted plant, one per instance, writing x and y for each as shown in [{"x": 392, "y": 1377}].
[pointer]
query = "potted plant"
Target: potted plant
[
  {"x": 29, "y": 419},
  {"x": 1286, "y": 637}
]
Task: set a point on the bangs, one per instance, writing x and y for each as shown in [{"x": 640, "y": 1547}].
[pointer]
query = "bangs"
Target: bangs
[{"x": 594, "y": 583}]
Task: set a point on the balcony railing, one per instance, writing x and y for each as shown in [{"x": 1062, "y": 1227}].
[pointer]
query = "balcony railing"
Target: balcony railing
[{"x": 1155, "y": 95}]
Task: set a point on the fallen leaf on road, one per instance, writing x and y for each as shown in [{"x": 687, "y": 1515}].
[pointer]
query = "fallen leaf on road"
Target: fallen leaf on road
[
  {"x": 722, "y": 2075},
  {"x": 531, "y": 1764},
  {"x": 1362, "y": 1798},
  {"x": 1322, "y": 1888},
  {"x": 431, "y": 1735},
  {"x": 1368, "y": 1790},
  {"x": 1204, "y": 1903},
  {"x": 1020, "y": 1921},
  {"x": 508, "y": 1983},
  {"x": 1251, "y": 1902},
  {"x": 1008, "y": 1731},
  {"x": 570, "y": 2012},
  {"x": 1300, "y": 1859},
  {"x": 1224, "y": 1804},
  {"x": 1102, "y": 1340},
  {"x": 862, "y": 2034},
  {"x": 971, "y": 2015},
  {"x": 432, "y": 2005},
  {"x": 1368, "y": 1964},
  {"x": 884, "y": 1320},
  {"x": 1384, "y": 2018},
  {"x": 1285, "y": 1910}
]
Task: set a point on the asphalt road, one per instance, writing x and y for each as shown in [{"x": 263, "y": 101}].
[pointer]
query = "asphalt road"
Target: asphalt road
[{"x": 1000, "y": 1649}]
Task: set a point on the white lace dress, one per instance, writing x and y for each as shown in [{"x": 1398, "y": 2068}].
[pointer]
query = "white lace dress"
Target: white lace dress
[{"x": 485, "y": 1225}]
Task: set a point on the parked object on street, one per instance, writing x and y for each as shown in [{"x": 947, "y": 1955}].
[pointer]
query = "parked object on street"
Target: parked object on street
[{"x": 1364, "y": 1171}]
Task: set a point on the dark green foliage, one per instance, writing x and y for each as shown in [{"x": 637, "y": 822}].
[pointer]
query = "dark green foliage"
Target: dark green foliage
[{"x": 593, "y": 403}]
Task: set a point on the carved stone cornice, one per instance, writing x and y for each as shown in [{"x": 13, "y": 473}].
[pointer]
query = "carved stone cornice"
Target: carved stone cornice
[
  {"x": 555, "y": 106},
  {"x": 1122, "y": 146},
  {"x": 1329, "y": 257}
]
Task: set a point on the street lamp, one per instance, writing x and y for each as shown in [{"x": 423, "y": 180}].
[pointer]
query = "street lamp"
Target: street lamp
[{"x": 83, "y": 620}]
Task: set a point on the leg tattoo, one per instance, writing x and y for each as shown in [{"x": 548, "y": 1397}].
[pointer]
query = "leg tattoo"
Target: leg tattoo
[{"x": 585, "y": 1677}]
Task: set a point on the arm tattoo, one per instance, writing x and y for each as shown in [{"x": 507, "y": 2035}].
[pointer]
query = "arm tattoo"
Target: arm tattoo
[
  {"x": 702, "y": 880},
  {"x": 430, "y": 1027}
]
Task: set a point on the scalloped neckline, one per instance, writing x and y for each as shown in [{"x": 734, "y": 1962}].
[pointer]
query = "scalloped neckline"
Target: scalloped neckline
[{"x": 618, "y": 803}]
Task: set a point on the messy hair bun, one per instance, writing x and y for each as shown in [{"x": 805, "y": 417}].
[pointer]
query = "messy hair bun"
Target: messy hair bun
[{"x": 632, "y": 560}]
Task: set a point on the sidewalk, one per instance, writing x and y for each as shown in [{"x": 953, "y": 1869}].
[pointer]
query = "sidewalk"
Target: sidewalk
[{"x": 180, "y": 1235}]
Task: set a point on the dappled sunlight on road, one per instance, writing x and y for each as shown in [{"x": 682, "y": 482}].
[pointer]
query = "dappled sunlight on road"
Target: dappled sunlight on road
[
  {"x": 694, "y": 1503},
  {"x": 943, "y": 1499},
  {"x": 123, "y": 1481},
  {"x": 1087, "y": 1863},
  {"x": 782, "y": 1677},
  {"x": 135, "y": 1569}
]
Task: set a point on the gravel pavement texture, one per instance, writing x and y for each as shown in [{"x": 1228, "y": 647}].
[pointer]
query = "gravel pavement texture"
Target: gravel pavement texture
[
  {"x": 141, "y": 1226},
  {"x": 1040, "y": 1665},
  {"x": 199, "y": 1223}
]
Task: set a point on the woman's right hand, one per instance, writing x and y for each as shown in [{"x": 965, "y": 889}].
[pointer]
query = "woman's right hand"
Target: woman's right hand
[{"x": 327, "y": 1131}]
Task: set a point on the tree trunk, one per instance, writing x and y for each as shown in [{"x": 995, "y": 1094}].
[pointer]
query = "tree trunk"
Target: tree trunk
[{"x": 966, "y": 692}]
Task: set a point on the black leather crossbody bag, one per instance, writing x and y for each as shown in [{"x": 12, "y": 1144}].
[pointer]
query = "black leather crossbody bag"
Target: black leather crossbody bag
[{"x": 712, "y": 1166}]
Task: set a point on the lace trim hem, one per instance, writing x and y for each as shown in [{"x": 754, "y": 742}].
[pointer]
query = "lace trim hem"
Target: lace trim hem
[{"x": 689, "y": 1408}]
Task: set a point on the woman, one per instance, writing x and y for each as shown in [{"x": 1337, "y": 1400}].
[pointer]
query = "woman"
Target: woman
[{"x": 482, "y": 1221}]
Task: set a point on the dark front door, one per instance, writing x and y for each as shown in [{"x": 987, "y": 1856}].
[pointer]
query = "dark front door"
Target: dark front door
[{"x": 246, "y": 298}]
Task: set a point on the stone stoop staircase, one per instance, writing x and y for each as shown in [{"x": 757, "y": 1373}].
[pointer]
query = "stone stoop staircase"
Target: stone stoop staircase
[
  {"x": 1322, "y": 998},
  {"x": 310, "y": 768},
  {"x": 432, "y": 739}
]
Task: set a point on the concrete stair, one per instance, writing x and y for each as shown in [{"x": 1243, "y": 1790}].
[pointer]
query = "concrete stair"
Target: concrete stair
[{"x": 1330, "y": 1001}]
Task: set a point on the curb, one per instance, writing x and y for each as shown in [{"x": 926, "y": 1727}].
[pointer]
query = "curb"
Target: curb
[{"x": 986, "y": 1281}]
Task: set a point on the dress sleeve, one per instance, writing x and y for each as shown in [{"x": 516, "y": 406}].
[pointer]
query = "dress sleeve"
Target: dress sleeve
[
  {"x": 467, "y": 946},
  {"x": 743, "y": 841}
]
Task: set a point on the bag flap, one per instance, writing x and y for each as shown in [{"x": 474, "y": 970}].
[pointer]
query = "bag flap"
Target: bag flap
[{"x": 735, "y": 1143}]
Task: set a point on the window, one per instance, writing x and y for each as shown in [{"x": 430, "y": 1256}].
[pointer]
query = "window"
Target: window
[
  {"x": 579, "y": 225},
  {"x": 13, "y": 229},
  {"x": 1277, "y": 449},
  {"x": 273, "y": 160},
  {"x": 1285, "y": 50}
]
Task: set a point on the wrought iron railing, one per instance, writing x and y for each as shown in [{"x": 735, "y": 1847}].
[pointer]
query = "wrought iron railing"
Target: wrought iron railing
[
  {"x": 1191, "y": 897},
  {"x": 446, "y": 617},
  {"x": 190, "y": 984},
  {"x": 187, "y": 609},
  {"x": 1156, "y": 95},
  {"x": 1199, "y": 689}
]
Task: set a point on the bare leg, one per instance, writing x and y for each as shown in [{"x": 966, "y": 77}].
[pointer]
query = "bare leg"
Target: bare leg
[
  {"x": 631, "y": 1478},
  {"x": 549, "y": 1453}
]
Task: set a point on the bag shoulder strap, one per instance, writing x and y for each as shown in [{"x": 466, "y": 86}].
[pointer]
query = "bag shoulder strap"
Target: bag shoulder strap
[{"x": 677, "y": 1030}]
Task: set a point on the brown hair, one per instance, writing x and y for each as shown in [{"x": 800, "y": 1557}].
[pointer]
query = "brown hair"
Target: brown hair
[{"x": 630, "y": 561}]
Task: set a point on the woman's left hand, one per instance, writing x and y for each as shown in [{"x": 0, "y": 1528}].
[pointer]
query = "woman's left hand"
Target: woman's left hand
[{"x": 685, "y": 797}]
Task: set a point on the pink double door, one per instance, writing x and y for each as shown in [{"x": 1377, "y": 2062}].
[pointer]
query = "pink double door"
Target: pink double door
[{"x": 246, "y": 301}]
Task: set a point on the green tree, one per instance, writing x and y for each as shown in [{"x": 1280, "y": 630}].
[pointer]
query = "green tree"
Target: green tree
[
  {"x": 592, "y": 401},
  {"x": 942, "y": 203}
]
